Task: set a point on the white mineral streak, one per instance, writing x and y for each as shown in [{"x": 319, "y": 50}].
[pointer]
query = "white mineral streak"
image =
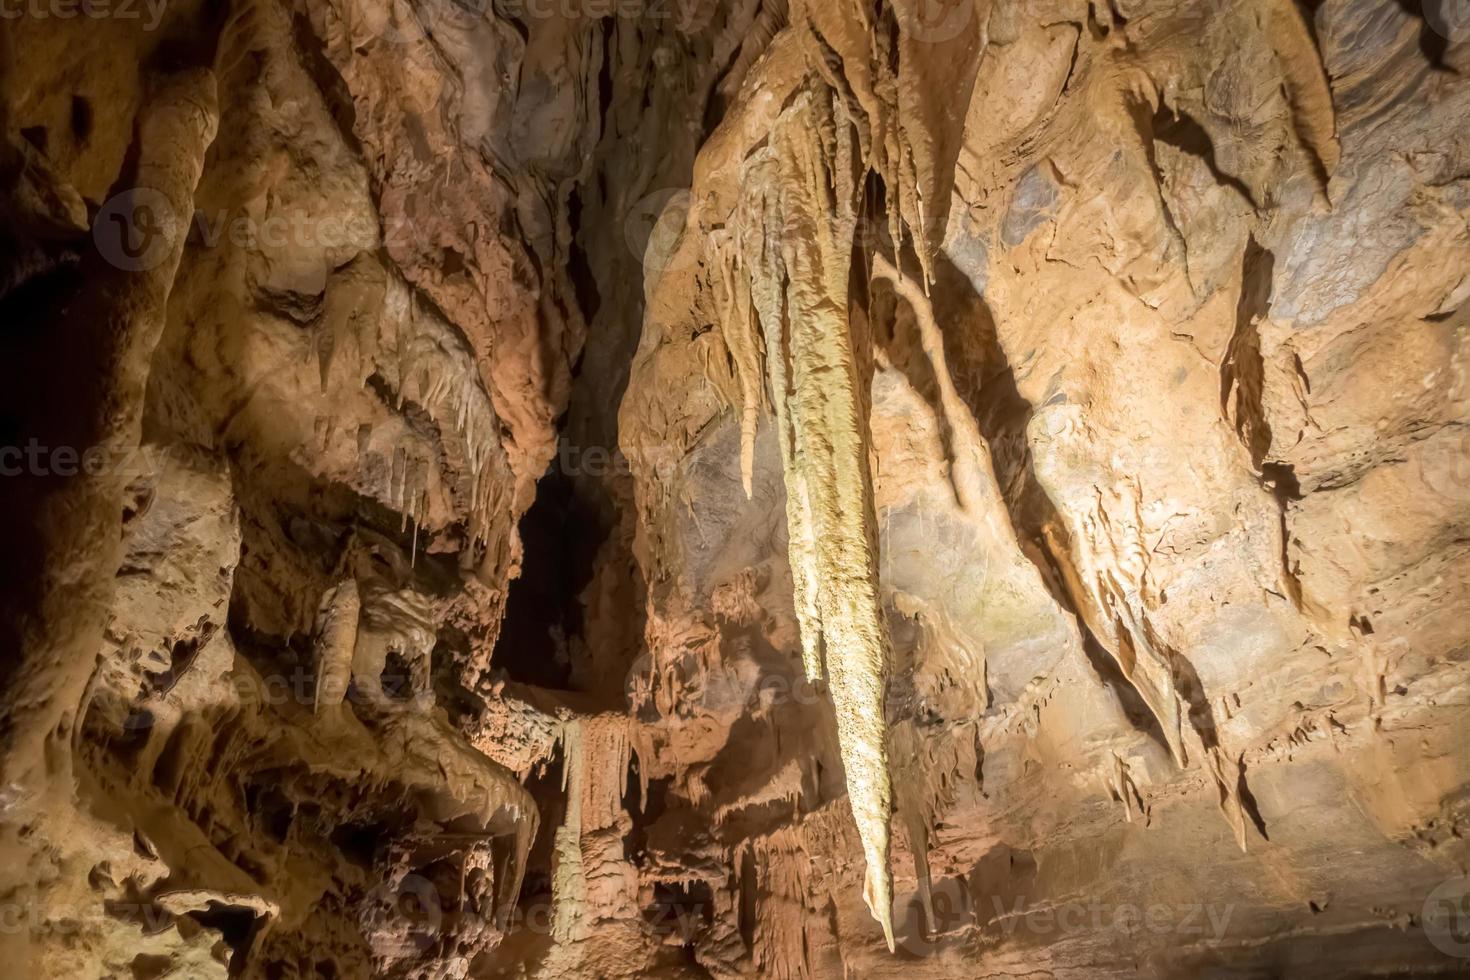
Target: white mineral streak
[
  {"x": 761, "y": 233},
  {"x": 744, "y": 344},
  {"x": 806, "y": 203},
  {"x": 1229, "y": 775}
]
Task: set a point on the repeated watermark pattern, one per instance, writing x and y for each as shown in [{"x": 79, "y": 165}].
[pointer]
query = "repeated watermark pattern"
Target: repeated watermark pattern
[
  {"x": 149, "y": 13},
  {"x": 935, "y": 21},
  {"x": 1450, "y": 19},
  {"x": 1446, "y": 462},
  {"x": 38, "y": 459},
  {"x": 405, "y": 23},
  {"x": 956, "y": 912},
  {"x": 303, "y": 688},
  {"x": 1446, "y": 917},
  {"x": 682, "y": 690},
  {"x": 37, "y": 920},
  {"x": 407, "y": 915},
  {"x": 135, "y": 230},
  {"x": 653, "y": 227},
  {"x": 923, "y": 21}
]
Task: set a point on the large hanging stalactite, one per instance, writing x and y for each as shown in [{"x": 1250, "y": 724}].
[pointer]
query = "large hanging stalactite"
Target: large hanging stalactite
[{"x": 807, "y": 202}]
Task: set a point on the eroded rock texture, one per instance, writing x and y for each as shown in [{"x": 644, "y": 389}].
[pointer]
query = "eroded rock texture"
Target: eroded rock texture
[{"x": 793, "y": 488}]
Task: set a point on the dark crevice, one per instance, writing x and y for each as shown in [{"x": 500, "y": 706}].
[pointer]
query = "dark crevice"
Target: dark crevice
[
  {"x": 236, "y": 925},
  {"x": 36, "y": 136},
  {"x": 560, "y": 537},
  {"x": 643, "y": 813},
  {"x": 1250, "y": 806},
  {"x": 680, "y": 911},
  {"x": 579, "y": 269},
  {"x": 81, "y": 120}
]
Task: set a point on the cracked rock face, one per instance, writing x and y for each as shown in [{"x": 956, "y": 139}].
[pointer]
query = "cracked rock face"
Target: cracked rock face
[{"x": 794, "y": 488}]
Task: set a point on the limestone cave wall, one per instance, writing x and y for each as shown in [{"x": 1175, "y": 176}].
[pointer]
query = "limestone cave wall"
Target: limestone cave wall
[{"x": 720, "y": 488}]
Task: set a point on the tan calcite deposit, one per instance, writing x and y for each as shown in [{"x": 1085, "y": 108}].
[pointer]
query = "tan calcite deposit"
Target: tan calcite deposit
[{"x": 792, "y": 488}]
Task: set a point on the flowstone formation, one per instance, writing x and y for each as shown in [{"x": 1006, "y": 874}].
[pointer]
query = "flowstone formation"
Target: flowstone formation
[{"x": 722, "y": 488}]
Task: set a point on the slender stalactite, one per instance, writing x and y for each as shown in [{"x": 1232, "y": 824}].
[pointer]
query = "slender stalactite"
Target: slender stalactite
[
  {"x": 744, "y": 345},
  {"x": 762, "y": 259}
]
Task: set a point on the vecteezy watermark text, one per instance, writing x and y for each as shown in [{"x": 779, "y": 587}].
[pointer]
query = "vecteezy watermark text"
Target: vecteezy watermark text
[
  {"x": 150, "y": 12},
  {"x": 955, "y": 913},
  {"x": 136, "y": 229},
  {"x": 38, "y": 459}
]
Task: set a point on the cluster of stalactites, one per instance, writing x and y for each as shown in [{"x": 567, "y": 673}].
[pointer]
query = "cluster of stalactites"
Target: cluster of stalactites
[{"x": 794, "y": 237}]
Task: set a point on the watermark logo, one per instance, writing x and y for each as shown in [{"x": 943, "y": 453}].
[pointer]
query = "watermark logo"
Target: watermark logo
[
  {"x": 916, "y": 931},
  {"x": 1450, "y": 19},
  {"x": 150, "y": 12},
  {"x": 654, "y": 227},
  {"x": 682, "y": 689},
  {"x": 1044, "y": 919},
  {"x": 408, "y": 23},
  {"x": 38, "y": 920},
  {"x": 934, "y": 21},
  {"x": 38, "y": 459},
  {"x": 401, "y": 22},
  {"x": 952, "y": 917},
  {"x": 538, "y": 916},
  {"x": 1446, "y": 917},
  {"x": 1446, "y": 463},
  {"x": 403, "y": 917},
  {"x": 676, "y": 922},
  {"x": 135, "y": 230},
  {"x": 301, "y": 687}
]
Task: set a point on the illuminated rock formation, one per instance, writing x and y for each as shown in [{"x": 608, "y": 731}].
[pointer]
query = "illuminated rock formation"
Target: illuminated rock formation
[{"x": 794, "y": 488}]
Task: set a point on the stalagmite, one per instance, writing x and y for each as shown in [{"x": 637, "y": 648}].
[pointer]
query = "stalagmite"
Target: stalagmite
[
  {"x": 336, "y": 644},
  {"x": 1122, "y": 786},
  {"x": 596, "y": 750},
  {"x": 569, "y": 880}
]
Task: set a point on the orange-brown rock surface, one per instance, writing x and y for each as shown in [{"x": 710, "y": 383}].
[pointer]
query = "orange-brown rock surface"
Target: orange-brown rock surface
[{"x": 718, "y": 488}]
